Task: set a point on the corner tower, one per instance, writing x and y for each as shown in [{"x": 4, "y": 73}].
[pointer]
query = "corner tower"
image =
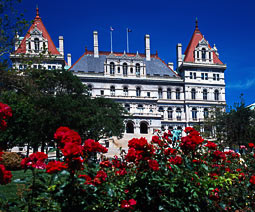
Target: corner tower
[
  {"x": 203, "y": 75},
  {"x": 38, "y": 43}
]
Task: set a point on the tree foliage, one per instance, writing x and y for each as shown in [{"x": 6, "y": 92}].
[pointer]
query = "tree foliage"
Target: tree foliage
[
  {"x": 11, "y": 22},
  {"x": 235, "y": 127},
  {"x": 42, "y": 100}
]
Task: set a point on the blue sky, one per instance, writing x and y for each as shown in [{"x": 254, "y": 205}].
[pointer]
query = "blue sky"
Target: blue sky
[{"x": 230, "y": 24}]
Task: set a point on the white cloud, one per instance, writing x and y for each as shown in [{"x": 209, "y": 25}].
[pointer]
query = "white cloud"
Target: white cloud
[{"x": 242, "y": 85}]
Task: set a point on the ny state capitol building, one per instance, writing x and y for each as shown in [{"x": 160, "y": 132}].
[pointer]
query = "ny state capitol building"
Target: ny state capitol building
[{"x": 155, "y": 95}]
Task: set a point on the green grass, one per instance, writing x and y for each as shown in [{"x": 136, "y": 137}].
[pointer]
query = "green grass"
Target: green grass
[{"x": 17, "y": 186}]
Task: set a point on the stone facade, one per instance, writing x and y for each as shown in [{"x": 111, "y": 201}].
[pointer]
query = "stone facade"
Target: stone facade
[{"x": 156, "y": 96}]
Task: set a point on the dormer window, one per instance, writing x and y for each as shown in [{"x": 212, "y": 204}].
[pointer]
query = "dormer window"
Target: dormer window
[
  {"x": 203, "y": 54},
  {"x": 29, "y": 45},
  {"x": 125, "y": 69},
  {"x": 112, "y": 68},
  {"x": 37, "y": 45},
  {"x": 137, "y": 68}
]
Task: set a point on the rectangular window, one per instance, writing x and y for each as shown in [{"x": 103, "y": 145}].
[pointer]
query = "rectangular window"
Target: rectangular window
[
  {"x": 218, "y": 77},
  {"x": 202, "y": 76},
  {"x": 102, "y": 92},
  {"x": 53, "y": 67},
  {"x": 49, "y": 67},
  {"x": 214, "y": 76},
  {"x": 206, "y": 76},
  {"x": 190, "y": 75},
  {"x": 148, "y": 94},
  {"x": 194, "y": 75}
]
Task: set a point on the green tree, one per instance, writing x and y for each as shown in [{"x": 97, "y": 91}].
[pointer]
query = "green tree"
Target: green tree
[
  {"x": 57, "y": 98},
  {"x": 235, "y": 127},
  {"x": 11, "y": 22}
]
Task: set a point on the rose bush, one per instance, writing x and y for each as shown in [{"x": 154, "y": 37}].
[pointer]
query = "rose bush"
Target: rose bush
[{"x": 190, "y": 175}]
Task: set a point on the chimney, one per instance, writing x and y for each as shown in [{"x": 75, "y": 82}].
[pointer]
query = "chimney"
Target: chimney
[
  {"x": 96, "y": 52},
  {"x": 16, "y": 41},
  {"x": 179, "y": 54},
  {"x": 147, "y": 47},
  {"x": 69, "y": 60},
  {"x": 61, "y": 45},
  {"x": 171, "y": 65}
]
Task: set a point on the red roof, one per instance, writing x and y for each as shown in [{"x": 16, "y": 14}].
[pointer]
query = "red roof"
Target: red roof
[
  {"x": 40, "y": 26},
  {"x": 195, "y": 39}
]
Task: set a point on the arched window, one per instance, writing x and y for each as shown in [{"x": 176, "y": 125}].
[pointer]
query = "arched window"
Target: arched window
[
  {"x": 127, "y": 107},
  {"x": 44, "y": 46},
  {"x": 194, "y": 113},
  {"x": 170, "y": 128},
  {"x": 216, "y": 95},
  {"x": 37, "y": 47},
  {"x": 112, "y": 91},
  {"x": 170, "y": 113},
  {"x": 161, "y": 110},
  {"x": 131, "y": 70},
  {"x": 143, "y": 128},
  {"x": 125, "y": 91},
  {"x": 130, "y": 127},
  {"x": 204, "y": 94},
  {"x": 178, "y": 93},
  {"x": 206, "y": 113},
  {"x": 197, "y": 54},
  {"x": 138, "y": 91},
  {"x": 125, "y": 69},
  {"x": 179, "y": 128},
  {"x": 178, "y": 113},
  {"x": 203, "y": 53},
  {"x": 90, "y": 90},
  {"x": 137, "y": 69},
  {"x": 160, "y": 93},
  {"x": 168, "y": 93},
  {"x": 193, "y": 93},
  {"x": 112, "y": 68}
]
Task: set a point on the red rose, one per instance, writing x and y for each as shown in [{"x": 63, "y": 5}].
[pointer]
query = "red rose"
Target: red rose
[
  {"x": 170, "y": 151},
  {"x": 60, "y": 132},
  {"x": 131, "y": 155},
  {"x": 35, "y": 160},
  {"x": 252, "y": 180},
  {"x": 93, "y": 146},
  {"x": 251, "y": 145},
  {"x": 153, "y": 164},
  {"x": 71, "y": 149},
  {"x": 106, "y": 163},
  {"x": 5, "y": 176},
  {"x": 102, "y": 175},
  {"x": 177, "y": 160},
  {"x": 87, "y": 178},
  {"x": 55, "y": 166},
  {"x": 211, "y": 145},
  {"x": 128, "y": 204}
]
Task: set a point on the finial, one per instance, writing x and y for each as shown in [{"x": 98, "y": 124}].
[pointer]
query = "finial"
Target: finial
[
  {"x": 86, "y": 49},
  {"x": 196, "y": 23},
  {"x": 37, "y": 12},
  {"x": 156, "y": 52}
]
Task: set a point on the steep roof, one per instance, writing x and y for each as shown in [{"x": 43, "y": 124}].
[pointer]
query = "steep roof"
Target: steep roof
[
  {"x": 195, "y": 39},
  {"x": 40, "y": 26},
  {"x": 88, "y": 63}
]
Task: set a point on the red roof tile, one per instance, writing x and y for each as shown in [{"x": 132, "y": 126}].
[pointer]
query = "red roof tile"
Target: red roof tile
[
  {"x": 40, "y": 26},
  {"x": 189, "y": 52}
]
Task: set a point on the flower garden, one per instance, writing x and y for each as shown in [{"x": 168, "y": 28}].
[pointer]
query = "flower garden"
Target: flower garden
[{"x": 192, "y": 174}]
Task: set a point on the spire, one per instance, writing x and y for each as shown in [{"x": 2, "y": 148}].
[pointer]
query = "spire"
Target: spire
[
  {"x": 196, "y": 24},
  {"x": 37, "y": 12}
]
